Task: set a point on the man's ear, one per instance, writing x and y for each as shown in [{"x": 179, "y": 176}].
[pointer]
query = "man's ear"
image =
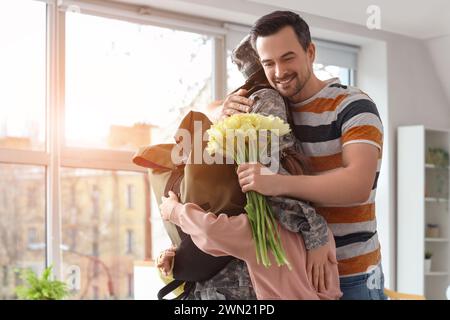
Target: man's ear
[{"x": 311, "y": 52}]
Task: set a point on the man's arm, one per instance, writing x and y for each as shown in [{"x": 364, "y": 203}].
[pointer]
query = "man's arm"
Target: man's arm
[
  {"x": 343, "y": 186},
  {"x": 348, "y": 185}
]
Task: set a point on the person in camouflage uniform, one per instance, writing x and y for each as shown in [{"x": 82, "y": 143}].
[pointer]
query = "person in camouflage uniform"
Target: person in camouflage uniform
[
  {"x": 294, "y": 215},
  {"x": 233, "y": 282}
]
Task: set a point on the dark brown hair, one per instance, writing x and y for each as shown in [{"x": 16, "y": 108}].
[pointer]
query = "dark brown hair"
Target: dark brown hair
[{"x": 273, "y": 22}]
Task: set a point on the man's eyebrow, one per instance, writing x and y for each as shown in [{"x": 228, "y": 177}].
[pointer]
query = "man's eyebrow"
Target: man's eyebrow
[{"x": 283, "y": 56}]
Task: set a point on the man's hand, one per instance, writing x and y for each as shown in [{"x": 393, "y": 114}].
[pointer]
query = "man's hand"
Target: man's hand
[
  {"x": 236, "y": 103},
  {"x": 256, "y": 177},
  {"x": 357, "y": 174},
  {"x": 317, "y": 267},
  {"x": 165, "y": 260},
  {"x": 167, "y": 205}
]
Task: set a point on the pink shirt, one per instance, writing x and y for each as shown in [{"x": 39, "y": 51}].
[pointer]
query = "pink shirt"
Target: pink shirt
[{"x": 223, "y": 235}]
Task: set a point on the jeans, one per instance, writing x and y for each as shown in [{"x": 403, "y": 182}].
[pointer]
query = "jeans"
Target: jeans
[{"x": 369, "y": 286}]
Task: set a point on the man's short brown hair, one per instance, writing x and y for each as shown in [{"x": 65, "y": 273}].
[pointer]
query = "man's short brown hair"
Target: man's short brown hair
[{"x": 273, "y": 22}]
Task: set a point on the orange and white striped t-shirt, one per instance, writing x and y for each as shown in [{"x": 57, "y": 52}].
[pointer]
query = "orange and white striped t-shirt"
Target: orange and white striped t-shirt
[{"x": 336, "y": 116}]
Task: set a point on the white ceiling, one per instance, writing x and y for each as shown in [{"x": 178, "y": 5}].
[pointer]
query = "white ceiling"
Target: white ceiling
[{"x": 414, "y": 18}]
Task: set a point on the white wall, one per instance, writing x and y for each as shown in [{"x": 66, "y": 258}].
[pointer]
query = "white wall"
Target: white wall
[
  {"x": 397, "y": 72},
  {"x": 372, "y": 78},
  {"x": 440, "y": 52},
  {"x": 416, "y": 96}
]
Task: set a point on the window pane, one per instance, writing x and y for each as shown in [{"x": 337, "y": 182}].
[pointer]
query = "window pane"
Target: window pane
[
  {"x": 22, "y": 223},
  {"x": 325, "y": 72},
  {"x": 22, "y": 76},
  {"x": 124, "y": 78},
  {"x": 102, "y": 236}
]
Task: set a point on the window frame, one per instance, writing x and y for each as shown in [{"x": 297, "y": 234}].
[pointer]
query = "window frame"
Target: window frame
[{"x": 57, "y": 155}]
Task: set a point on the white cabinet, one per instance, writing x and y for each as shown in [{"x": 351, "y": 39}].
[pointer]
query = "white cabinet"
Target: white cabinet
[{"x": 423, "y": 212}]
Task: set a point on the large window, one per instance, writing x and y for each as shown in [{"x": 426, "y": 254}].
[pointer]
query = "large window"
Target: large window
[
  {"x": 127, "y": 85},
  {"x": 70, "y": 195},
  {"x": 124, "y": 79}
]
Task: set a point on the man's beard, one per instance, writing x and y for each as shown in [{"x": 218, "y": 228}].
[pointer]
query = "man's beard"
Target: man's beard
[{"x": 297, "y": 88}]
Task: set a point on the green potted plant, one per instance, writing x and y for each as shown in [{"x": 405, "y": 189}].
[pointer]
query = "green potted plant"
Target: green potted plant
[
  {"x": 428, "y": 256},
  {"x": 440, "y": 159},
  {"x": 41, "y": 288}
]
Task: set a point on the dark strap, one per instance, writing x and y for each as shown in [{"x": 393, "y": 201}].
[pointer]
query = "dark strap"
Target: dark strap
[
  {"x": 353, "y": 238},
  {"x": 171, "y": 286},
  {"x": 290, "y": 119}
]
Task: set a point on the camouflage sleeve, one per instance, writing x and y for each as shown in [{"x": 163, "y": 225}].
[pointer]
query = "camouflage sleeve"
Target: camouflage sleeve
[
  {"x": 298, "y": 216},
  {"x": 231, "y": 283},
  {"x": 269, "y": 102}
]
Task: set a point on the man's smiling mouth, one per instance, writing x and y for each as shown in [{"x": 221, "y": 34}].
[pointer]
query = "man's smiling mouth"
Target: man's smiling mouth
[{"x": 285, "y": 81}]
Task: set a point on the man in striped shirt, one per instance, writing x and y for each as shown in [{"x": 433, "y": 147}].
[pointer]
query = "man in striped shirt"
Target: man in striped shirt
[{"x": 342, "y": 135}]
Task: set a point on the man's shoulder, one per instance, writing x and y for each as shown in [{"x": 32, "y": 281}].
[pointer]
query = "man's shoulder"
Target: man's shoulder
[
  {"x": 349, "y": 97},
  {"x": 344, "y": 92},
  {"x": 335, "y": 98}
]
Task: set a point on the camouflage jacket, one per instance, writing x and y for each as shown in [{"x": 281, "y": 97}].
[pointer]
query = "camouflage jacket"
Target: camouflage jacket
[{"x": 231, "y": 283}]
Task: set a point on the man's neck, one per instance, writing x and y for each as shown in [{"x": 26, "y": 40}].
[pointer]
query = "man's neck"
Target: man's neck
[{"x": 311, "y": 87}]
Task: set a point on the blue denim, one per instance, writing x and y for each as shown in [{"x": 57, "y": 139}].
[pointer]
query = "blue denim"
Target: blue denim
[{"x": 369, "y": 286}]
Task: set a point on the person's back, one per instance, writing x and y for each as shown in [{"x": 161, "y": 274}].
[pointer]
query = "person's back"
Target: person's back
[{"x": 221, "y": 235}]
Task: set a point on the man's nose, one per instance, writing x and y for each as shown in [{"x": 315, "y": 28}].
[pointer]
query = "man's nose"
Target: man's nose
[{"x": 279, "y": 71}]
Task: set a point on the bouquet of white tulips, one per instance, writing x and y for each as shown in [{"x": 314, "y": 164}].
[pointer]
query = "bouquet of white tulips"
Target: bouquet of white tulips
[{"x": 248, "y": 138}]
